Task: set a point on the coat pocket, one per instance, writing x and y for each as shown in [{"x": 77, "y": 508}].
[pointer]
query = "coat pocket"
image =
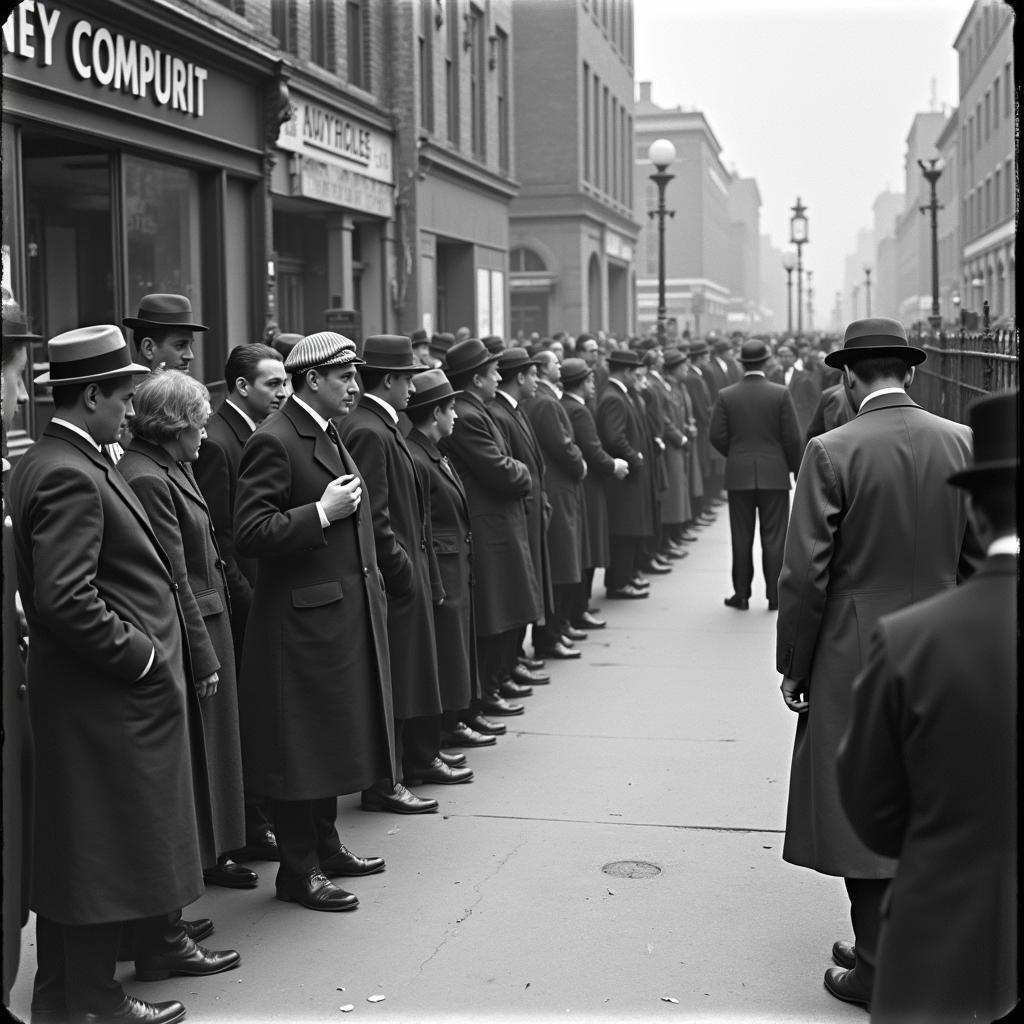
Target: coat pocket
[
  {"x": 316, "y": 595},
  {"x": 209, "y": 603},
  {"x": 446, "y": 543}
]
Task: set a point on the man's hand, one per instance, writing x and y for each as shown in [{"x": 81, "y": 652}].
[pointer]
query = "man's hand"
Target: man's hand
[
  {"x": 794, "y": 696},
  {"x": 621, "y": 470},
  {"x": 341, "y": 497},
  {"x": 207, "y": 687}
]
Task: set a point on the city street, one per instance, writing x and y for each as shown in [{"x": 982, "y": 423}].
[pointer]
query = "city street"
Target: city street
[{"x": 668, "y": 744}]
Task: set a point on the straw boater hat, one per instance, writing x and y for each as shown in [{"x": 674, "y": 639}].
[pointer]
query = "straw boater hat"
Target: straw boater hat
[
  {"x": 324, "y": 348},
  {"x": 432, "y": 388},
  {"x": 574, "y": 371},
  {"x": 996, "y": 441},
  {"x": 468, "y": 355},
  {"x": 162, "y": 310},
  {"x": 88, "y": 354},
  {"x": 390, "y": 353},
  {"x": 876, "y": 336}
]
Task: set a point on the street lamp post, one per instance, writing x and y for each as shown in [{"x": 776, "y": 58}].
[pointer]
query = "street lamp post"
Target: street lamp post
[
  {"x": 789, "y": 262},
  {"x": 810, "y": 300},
  {"x": 932, "y": 173},
  {"x": 867, "y": 289},
  {"x": 798, "y": 236},
  {"x": 661, "y": 153}
]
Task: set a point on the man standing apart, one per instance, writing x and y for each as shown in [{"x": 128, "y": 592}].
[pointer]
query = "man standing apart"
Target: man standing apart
[
  {"x": 754, "y": 425},
  {"x": 874, "y": 528}
]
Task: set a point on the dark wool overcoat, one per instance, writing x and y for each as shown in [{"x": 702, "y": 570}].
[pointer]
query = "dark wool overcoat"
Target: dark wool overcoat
[
  {"x": 317, "y": 718},
  {"x": 507, "y": 593},
  {"x": 833, "y": 410},
  {"x": 805, "y": 391},
  {"x": 401, "y": 526},
  {"x": 452, "y": 539},
  {"x": 675, "y": 506},
  {"x": 700, "y": 401},
  {"x": 874, "y": 528},
  {"x": 179, "y": 516},
  {"x": 122, "y": 815},
  {"x": 621, "y": 430},
  {"x": 600, "y": 467}
]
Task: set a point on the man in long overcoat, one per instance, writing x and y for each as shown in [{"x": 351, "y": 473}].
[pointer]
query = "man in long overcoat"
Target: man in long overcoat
[
  {"x": 874, "y": 528},
  {"x": 700, "y": 402},
  {"x": 928, "y": 767},
  {"x": 114, "y": 712},
  {"x": 317, "y": 717},
  {"x": 801, "y": 384}
]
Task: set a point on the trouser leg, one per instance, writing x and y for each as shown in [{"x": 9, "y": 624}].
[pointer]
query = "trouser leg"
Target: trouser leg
[
  {"x": 296, "y": 836},
  {"x": 48, "y": 984},
  {"x": 325, "y": 816},
  {"x": 742, "y": 510},
  {"x": 773, "y": 513},
  {"x": 866, "y": 916},
  {"x": 621, "y": 562},
  {"x": 421, "y": 741},
  {"x": 90, "y": 960},
  {"x": 160, "y": 934}
]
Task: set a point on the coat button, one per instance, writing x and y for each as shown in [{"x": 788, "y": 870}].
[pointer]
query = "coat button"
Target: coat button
[
  {"x": 423, "y": 545},
  {"x": 22, "y": 689},
  {"x": 469, "y": 538},
  {"x": 366, "y": 572},
  {"x": 174, "y": 586}
]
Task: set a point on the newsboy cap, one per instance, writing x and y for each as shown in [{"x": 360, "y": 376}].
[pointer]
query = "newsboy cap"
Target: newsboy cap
[
  {"x": 163, "y": 310},
  {"x": 88, "y": 354},
  {"x": 325, "y": 348},
  {"x": 875, "y": 336}
]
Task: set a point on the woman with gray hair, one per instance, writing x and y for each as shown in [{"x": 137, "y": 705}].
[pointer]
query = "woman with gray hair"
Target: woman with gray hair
[{"x": 168, "y": 426}]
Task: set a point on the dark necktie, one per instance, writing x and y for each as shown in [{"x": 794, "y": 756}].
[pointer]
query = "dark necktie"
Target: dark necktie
[
  {"x": 332, "y": 433},
  {"x": 108, "y": 456}
]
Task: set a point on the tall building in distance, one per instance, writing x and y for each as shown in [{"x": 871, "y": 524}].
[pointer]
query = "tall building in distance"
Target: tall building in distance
[{"x": 573, "y": 232}]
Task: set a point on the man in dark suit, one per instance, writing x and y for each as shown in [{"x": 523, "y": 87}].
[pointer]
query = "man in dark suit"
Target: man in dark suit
[
  {"x": 874, "y": 528},
  {"x": 753, "y": 424},
  {"x": 802, "y": 386},
  {"x": 114, "y": 711},
  {"x": 697, "y": 388},
  {"x": 833, "y": 410},
  {"x": 256, "y": 386},
  {"x": 928, "y": 766},
  {"x": 316, "y": 640}
]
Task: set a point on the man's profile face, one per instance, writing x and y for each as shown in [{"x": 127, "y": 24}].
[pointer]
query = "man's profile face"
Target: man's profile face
[
  {"x": 338, "y": 390},
  {"x": 402, "y": 389},
  {"x": 172, "y": 347},
  {"x": 109, "y": 415},
  {"x": 488, "y": 380},
  {"x": 267, "y": 390},
  {"x": 530, "y": 378}
]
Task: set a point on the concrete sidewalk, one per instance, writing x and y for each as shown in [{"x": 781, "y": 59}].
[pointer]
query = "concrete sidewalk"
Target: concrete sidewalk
[{"x": 667, "y": 743}]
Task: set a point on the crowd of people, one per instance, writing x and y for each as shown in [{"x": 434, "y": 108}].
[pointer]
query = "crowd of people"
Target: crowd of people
[{"x": 352, "y": 571}]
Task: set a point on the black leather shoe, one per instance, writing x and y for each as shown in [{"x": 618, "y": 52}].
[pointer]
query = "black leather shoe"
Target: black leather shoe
[
  {"x": 315, "y": 891},
  {"x": 559, "y": 652},
  {"x": 511, "y": 690},
  {"x": 485, "y": 727},
  {"x": 230, "y": 875},
  {"x": 198, "y": 929},
  {"x": 588, "y": 621},
  {"x": 739, "y": 603},
  {"x": 640, "y": 583},
  {"x": 533, "y": 664},
  {"x": 773, "y": 606},
  {"x": 528, "y": 677},
  {"x": 628, "y": 592},
  {"x": 398, "y": 800},
  {"x": 135, "y": 1011},
  {"x": 190, "y": 959},
  {"x": 261, "y": 845},
  {"x": 688, "y": 538},
  {"x": 575, "y": 634},
  {"x": 344, "y": 862},
  {"x": 51, "y": 1014},
  {"x": 657, "y": 568},
  {"x": 845, "y": 985},
  {"x": 452, "y": 760},
  {"x": 495, "y": 704},
  {"x": 845, "y": 954},
  {"x": 464, "y": 735},
  {"x": 440, "y": 773}
]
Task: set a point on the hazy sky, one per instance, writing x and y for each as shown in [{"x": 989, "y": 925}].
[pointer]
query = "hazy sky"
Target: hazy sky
[{"x": 810, "y": 97}]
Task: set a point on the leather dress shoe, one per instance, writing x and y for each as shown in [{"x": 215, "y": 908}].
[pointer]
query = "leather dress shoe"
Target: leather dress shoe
[
  {"x": 773, "y": 606},
  {"x": 575, "y": 634},
  {"x": 640, "y": 583},
  {"x": 485, "y": 727},
  {"x": 135, "y": 1011},
  {"x": 495, "y": 704},
  {"x": 452, "y": 760},
  {"x": 511, "y": 690},
  {"x": 261, "y": 845},
  {"x": 658, "y": 568},
  {"x": 464, "y": 735},
  {"x": 440, "y": 773},
  {"x": 533, "y": 664},
  {"x": 560, "y": 652},
  {"x": 230, "y": 875},
  {"x": 687, "y": 538},
  {"x": 588, "y": 621},
  {"x": 189, "y": 958},
  {"x": 845, "y": 954},
  {"x": 398, "y": 800},
  {"x": 198, "y": 929},
  {"x": 628, "y": 592},
  {"x": 529, "y": 677},
  {"x": 845, "y": 985},
  {"x": 344, "y": 862},
  {"x": 737, "y": 602},
  {"x": 315, "y": 891}
]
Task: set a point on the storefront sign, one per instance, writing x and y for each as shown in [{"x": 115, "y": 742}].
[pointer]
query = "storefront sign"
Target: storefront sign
[
  {"x": 331, "y": 183},
  {"x": 617, "y": 246}
]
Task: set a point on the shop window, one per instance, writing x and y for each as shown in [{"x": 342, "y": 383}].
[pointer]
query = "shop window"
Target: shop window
[
  {"x": 504, "y": 157},
  {"x": 354, "y": 29},
  {"x": 284, "y": 24},
  {"x": 321, "y": 33}
]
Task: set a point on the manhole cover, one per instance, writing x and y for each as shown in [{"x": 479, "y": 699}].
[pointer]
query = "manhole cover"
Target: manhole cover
[{"x": 631, "y": 869}]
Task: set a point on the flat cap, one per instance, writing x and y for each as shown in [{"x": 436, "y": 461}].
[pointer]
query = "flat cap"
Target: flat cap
[{"x": 325, "y": 348}]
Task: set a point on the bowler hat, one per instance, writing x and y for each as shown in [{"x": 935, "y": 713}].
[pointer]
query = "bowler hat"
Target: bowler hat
[
  {"x": 624, "y": 357},
  {"x": 511, "y": 360},
  {"x": 162, "y": 310},
  {"x": 996, "y": 441},
  {"x": 754, "y": 351},
  {"x": 698, "y": 348},
  {"x": 875, "y": 336},
  {"x": 88, "y": 354},
  {"x": 419, "y": 337},
  {"x": 441, "y": 343},
  {"x": 674, "y": 357},
  {"x": 468, "y": 355},
  {"x": 325, "y": 348},
  {"x": 574, "y": 371},
  {"x": 432, "y": 388},
  {"x": 494, "y": 343},
  {"x": 390, "y": 353},
  {"x": 721, "y": 345},
  {"x": 15, "y": 327}
]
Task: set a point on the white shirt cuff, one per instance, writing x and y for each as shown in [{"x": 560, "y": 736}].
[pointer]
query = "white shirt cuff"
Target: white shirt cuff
[
  {"x": 149, "y": 665},
  {"x": 324, "y": 521}
]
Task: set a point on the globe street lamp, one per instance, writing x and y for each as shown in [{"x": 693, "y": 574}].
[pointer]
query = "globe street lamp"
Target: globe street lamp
[
  {"x": 661, "y": 153},
  {"x": 932, "y": 173},
  {"x": 798, "y": 236},
  {"x": 789, "y": 262},
  {"x": 867, "y": 289}
]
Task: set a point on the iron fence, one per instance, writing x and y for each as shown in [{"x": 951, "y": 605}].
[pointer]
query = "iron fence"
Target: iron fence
[{"x": 962, "y": 366}]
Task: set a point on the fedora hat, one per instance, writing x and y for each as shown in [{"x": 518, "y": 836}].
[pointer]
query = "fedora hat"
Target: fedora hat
[
  {"x": 674, "y": 357},
  {"x": 698, "y": 347},
  {"x": 574, "y": 371},
  {"x": 441, "y": 343},
  {"x": 390, "y": 353},
  {"x": 994, "y": 420},
  {"x": 875, "y": 336},
  {"x": 624, "y": 357},
  {"x": 163, "y": 310},
  {"x": 15, "y": 327},
  {"x": 325, "y": 348},
  {"x": 432, "y": 388},
  {"x": 494, "y": 343},
  {"x": 88, "y": 354},
  {"x": 420, "y": 337},
  {"x": 721, "y": 345},
  {"x": 754, "y": 351},
  {"x": 511, "y": 360},
  {"x": 467, "y": 355}
]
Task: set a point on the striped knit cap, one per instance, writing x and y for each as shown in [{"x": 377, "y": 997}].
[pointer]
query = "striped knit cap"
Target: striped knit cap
[{"x": 325, "y": 348}]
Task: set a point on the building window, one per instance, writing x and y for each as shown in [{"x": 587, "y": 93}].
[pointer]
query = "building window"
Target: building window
[
  {"x": 988, "y": 115},
  {"x": 613, "y": 176},
  {"x": 477, "y": 83},
  {"x": 988, "y": 202},
  {"x": 997, "y": 194},
  {"x": 238, "y": 6},
  {"x": 522, "y": 260},
  {"x": 596, "y": 95},
  {"x": 629, "y": 165},
  {"x": 504, "y": 157},
  {"x": 321, "y": 33},
  {"x": 1008, "y": 184},
  {"x": 977, "y": 126},
  {"x": 355, "y": 44},
  {"x": 284, "y": 23},
  {"x": 586, "y": 121},
  {"x": 1008, "y": 86},
  {"x": 451, "y": 70},
  {"x": 995, "y": 104},
  {"x": 426, "y": 55}
]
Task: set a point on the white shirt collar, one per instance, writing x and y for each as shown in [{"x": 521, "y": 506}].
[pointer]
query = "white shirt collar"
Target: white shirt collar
[
  {"x": 1008, "y": 545},
  {"x": 386, "y": 406},
  {"x": 77, "y": 430},
  {"x": 508, "y": 398},
  {"x": 554, "y": 388},
  {"x": 572, "y": 394},
  {"x": 616, "y": 381},
  {"x": 799, "y": 364},
  {"x": 722, "y": 363},
  {"x": 881, "y": 391},
  {"x": 321, "y": 422},
  {"x": 251, "y": 423},
  {"x": 754, "y": 373}
]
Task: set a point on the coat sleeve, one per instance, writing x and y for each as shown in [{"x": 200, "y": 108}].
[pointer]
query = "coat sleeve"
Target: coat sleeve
[
  {"x": 265, "y": 525},
  {"x": 817, "y": 424},
  {"x": 612, "y": 427},
  {"x": 789, "y": 429},
  {"x": 718, "y": 431},
  {"x": 554, "y": 435},
  {"x": 424, "y": 474},
  {"x": 873, "y": 785},
  {"x": 803, "y": 582},
  {"x": 473, "y": 444},
  {"x": 66, "y": 513},
  {"x": 599, "y": 462},
  {"x": 154, "y": 493}
]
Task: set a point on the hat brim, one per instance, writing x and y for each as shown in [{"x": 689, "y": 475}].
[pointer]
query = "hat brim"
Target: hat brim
[
  {"x": 985, "y": 473},
  {"x": 910, "y": 353},
  {"x": 135, "y": 323},
  {"x": 131, "y": 370},
  {"x": 13, "y": 338},
  {"x": 473, "y": 367},
  {"x": 413, "y": 404},
  {"x": 412, "y": 368}
]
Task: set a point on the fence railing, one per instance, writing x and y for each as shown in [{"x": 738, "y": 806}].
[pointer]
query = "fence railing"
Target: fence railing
[{"x": 963, "y": 366}]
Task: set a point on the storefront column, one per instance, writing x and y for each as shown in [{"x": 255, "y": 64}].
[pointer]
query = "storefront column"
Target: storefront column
[{"x": 339, "y": 261}]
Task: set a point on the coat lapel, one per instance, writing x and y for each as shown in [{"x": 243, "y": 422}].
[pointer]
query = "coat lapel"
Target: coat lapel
[{"x": 325, "y": 451}]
